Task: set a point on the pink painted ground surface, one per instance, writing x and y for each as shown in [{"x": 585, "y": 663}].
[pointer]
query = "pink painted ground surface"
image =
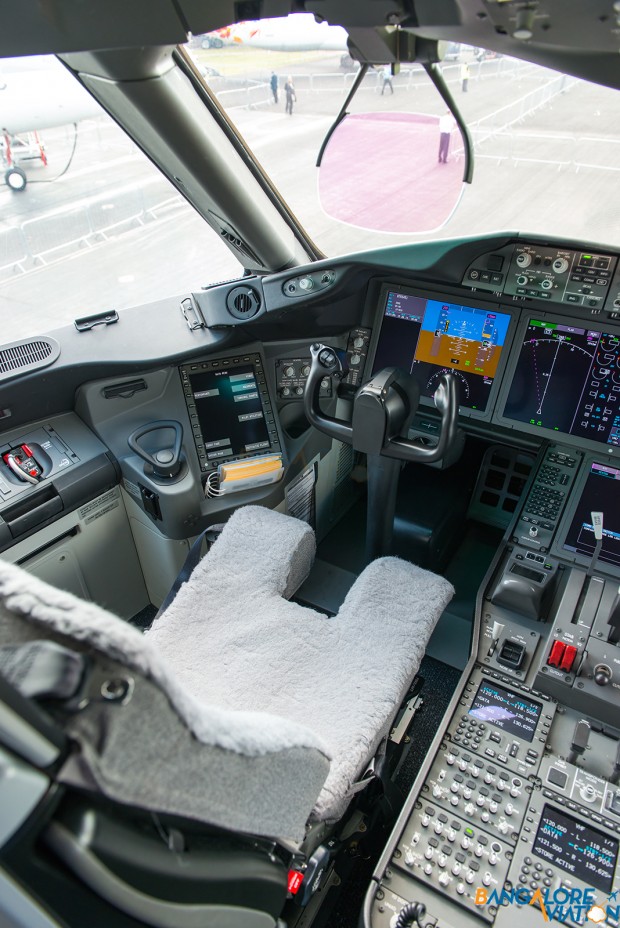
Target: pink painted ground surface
[{"x": 381, "y": 171}]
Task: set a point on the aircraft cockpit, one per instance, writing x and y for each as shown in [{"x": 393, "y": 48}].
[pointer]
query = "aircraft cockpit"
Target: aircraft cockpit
[{"x": 310, "y": 465}]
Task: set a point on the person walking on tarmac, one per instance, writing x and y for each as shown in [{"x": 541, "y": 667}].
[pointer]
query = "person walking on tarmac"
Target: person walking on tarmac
[
  {"x": 291, "y": 96},
  {"x": 274, "y": 86},
  {"x": 387, "y": 79},
  {"x": 464, "y": 76},
  {"x": 447, "y": 124}
]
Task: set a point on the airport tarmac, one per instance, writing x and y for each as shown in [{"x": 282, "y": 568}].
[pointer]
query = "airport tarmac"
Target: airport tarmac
[{"x": 110, "y": 233}]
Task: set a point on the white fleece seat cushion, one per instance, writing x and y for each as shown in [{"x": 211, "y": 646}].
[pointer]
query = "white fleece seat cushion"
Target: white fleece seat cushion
[{"x": 232, "y": 640}]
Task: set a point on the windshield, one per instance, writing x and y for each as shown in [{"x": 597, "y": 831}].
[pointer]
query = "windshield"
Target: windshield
[
  {"x": 89, "y": 225},
  {"x": 96, "y": 227},
  {"x": 546, "y": 145}
]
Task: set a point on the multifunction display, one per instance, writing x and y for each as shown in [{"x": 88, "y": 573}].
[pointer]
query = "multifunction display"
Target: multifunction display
[
  {"x": 582, "y": 851},
  {"x": 567, "y": 379},
  {"x": 601, "y": 493},
  {"x": 229, "y": 409},
  {"x": 507, "y": 710},
  {"x": 429, "y": 337}
]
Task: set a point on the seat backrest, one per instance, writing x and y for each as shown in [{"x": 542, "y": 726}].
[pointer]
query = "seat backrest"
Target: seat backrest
[{"x": 162, "y": 748}]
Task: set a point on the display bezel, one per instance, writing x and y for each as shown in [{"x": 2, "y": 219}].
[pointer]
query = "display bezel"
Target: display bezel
[
  {"x": 557, "y": 547},
  {"x": 225, "y": 362},
  {"x": 573, "y": 441},
  {"x": 456, "y": 298}
]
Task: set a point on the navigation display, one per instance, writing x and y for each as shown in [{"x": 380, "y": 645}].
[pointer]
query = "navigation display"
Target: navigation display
[
  {"x": 230, "y": 412},
  {"x": 509, "y": 711},
  {"x": 429, "y": 337},
  {"x": 567, "y": 379},
  {"x": 601, "y": 493},
  {"x": 581, "y": 850}
]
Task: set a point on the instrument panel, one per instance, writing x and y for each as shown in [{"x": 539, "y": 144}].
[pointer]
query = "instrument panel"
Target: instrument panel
[{"x": 521, "y": 364}]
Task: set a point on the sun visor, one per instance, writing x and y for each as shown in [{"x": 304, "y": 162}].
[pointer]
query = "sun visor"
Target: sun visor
[{"x": 57, "y": 26}]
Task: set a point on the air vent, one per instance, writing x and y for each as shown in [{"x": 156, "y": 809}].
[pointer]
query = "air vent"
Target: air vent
[
  {"x": 243, "y": 302},
  {"x": 28, "y": 355}
]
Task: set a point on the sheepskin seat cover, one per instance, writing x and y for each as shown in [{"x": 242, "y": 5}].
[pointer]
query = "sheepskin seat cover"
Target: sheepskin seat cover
[
  {"x": 287, "y": 705},
  {"x": 236, "y": 642}
]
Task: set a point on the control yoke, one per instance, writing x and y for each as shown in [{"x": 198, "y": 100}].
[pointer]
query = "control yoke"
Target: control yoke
[{"x": 382, "y": 412}]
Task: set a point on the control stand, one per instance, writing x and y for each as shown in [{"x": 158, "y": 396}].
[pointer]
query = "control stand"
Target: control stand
[{"x": 382, "y": 412}]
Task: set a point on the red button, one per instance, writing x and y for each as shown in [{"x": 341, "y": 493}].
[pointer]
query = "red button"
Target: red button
[{"x": 556, "y": 654}]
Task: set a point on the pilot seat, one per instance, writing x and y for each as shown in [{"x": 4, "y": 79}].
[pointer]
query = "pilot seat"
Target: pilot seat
[{"x": 203, "y": 761}]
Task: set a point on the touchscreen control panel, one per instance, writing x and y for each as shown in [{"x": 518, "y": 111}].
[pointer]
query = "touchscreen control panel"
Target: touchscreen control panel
[{"x": 229, "y": 409}]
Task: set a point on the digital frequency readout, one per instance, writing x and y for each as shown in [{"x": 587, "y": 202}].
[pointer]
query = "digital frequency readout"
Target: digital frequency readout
[
  {"x": 581, "y": 850},
  {"x": 505, "y": 709},
  {"x": 568, "y": 379}
]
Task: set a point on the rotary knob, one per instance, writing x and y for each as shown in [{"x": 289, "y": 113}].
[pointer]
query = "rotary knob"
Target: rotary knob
[
  {"x": 305, "y": 370},
  {"x": 560, "y": 265},
  {"x": 358, "y": 342},
  {"x": 306, "y": 283},
  {"x": 524, "y": 259},
  {"x": 289, "y": 371}
]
